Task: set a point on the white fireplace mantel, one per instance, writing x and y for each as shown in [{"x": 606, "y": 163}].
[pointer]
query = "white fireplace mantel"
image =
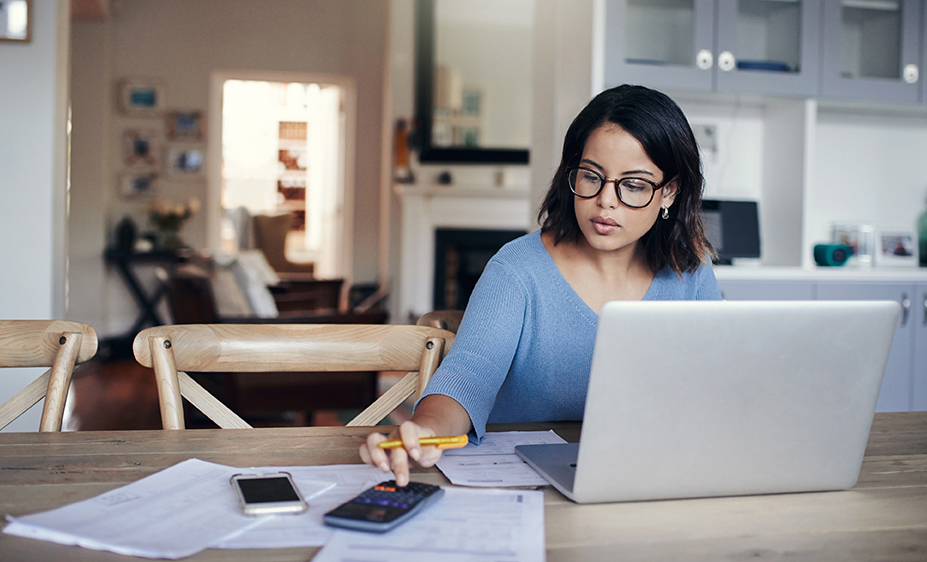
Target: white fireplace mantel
[{"x": 426, "y": 208}]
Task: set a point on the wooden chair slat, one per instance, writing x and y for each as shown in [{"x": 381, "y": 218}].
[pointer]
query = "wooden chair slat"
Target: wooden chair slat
[
  {"x": 58, "y": 344},
  {"x": 24, "y": 399},
  {"x": 209, "y": 405},
  {"x": 257, "y": 348}
]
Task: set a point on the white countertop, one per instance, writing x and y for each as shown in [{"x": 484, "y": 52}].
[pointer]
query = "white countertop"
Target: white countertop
[{"x": 842, "y": 273}]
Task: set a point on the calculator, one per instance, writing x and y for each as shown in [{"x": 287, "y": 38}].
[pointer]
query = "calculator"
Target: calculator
[{"x": 383, "y": 507}]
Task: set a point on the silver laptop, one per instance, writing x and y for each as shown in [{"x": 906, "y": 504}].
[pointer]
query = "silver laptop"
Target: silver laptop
[{"x": 701, "y": 399}]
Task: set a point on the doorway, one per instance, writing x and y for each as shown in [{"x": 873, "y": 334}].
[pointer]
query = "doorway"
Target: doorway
[{"x": 282, "y": 148}]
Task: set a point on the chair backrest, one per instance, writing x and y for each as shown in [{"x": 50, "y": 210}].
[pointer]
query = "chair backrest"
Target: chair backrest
[
  {"x": 57, "y": 344},
  {"x": 174, "y": 350},
  {"x": 190, "y": 297},
  {"x": 445, "y": 319},
  {"x": 270, "y": 232}
]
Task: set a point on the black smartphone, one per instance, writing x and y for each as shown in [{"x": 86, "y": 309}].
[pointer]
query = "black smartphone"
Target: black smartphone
[
  {"x": 262, "y": 494},
  {"x": 383, "y": 507}
]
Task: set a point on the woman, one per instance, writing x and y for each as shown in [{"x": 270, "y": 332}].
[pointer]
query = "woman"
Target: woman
[{"x": 621, "y": 221}]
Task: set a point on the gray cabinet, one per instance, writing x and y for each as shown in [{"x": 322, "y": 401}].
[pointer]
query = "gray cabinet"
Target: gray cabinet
[
  {"x": 665, "y": 44},
  {"x": 904, "y": 386},
  {"x": 897, "y": 384},
  {"x": 872, "y": 50},
  {"x": 744, "y": 290},
  {"x": 919, "y": 369},
  {"x": 739, "y": 46},
  {"x": 768, "y": 47}
]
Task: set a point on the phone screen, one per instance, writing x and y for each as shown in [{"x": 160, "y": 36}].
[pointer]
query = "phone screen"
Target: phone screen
[{"x": 264, "y": 490}]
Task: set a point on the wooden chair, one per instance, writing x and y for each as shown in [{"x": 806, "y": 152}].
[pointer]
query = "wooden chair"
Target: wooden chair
[
  {"x": 191, "y": 300},
  {"x": 174, "y": 350},
  {"x": 445, "y": 319},
  {"x": 270, "y": 232},
  {"x": 44, "y": 343}
]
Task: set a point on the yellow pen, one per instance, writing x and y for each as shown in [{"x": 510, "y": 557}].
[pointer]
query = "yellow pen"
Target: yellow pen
[{"x": 443, "y": 442}]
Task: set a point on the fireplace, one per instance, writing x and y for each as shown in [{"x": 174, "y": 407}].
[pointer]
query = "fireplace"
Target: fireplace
[
  {"x": 427, "y": 209},
  {"x": 460, "y": 256}
]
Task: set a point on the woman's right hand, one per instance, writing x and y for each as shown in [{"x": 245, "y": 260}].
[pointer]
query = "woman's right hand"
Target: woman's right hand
[{"x": 397, "y": 459}]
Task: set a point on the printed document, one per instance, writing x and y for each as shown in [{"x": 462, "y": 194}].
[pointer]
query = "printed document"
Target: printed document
[
  {"x": 173, "y": 513},
  {"x": 192, "y": 506},
  {"x": 493, "y": 463},
  {"x": 464, "y": 525}
]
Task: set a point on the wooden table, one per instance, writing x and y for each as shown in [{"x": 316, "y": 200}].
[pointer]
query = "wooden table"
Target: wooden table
[{"x": 883, "y": 518}]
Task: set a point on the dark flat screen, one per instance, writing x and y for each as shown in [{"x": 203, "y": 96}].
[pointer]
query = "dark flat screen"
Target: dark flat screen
[
  {"x": 264, "y": 490},
  {"x": 732, "y": 227}
]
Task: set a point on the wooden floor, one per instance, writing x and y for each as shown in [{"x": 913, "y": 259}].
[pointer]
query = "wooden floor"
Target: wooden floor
[{"x": 113, "y": 395}]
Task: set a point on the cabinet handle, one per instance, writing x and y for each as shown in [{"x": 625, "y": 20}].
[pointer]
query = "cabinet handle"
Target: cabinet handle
[
  {"x": 704, "y": 59},
  {"x": 925, "y": 309},
  {"x": 905, "y": 308},
  {"x": 910, "y": 73},
  {"x": 726, "y": 61}
]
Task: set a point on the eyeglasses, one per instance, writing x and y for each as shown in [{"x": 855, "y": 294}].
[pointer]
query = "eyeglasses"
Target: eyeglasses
[{"x": 633, "y": 192}]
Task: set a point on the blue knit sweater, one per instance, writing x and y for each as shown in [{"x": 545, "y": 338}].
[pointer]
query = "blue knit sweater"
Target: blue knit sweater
[{"x": 524, "y": 348}]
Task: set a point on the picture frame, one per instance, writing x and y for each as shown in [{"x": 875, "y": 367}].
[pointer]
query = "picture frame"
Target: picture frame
[
  {"x": 897, "y": 248},
  {"x": 140, "y": 147},
  {"x": 141, "y": 97},
  {"x": 859, "y": 237},
  {"x": 134, "y": 185},
  {"x": 185, "y": 160},
  {"x": 185, "y": 125},
  {"x": 16, "y": 21}
]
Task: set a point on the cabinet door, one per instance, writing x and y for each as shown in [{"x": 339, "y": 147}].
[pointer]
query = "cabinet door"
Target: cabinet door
[
  {"x": 741, "y": 290},
  {"x": 664, "y": 44},
  {"x": 871, "y": 50},
  {"x": 768, "y": 47},
  {"x": 895, "y": 395},
  {"x": 919, "y": 372}
]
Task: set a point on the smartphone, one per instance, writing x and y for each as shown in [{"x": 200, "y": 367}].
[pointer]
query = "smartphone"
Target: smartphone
[
  {"x": 262, "y": 494},
  {"x": 383, "y": 506}
]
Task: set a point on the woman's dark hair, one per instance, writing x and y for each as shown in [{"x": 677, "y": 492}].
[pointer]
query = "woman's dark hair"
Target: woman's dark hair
[{"x": 659, "y": 125}]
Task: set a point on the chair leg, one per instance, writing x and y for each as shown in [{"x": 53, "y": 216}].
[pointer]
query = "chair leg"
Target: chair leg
[{"x": 162, "y": 359}]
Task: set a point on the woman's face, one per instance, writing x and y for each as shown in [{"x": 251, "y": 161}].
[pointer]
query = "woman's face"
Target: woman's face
[{"x": 606, "y": 223}]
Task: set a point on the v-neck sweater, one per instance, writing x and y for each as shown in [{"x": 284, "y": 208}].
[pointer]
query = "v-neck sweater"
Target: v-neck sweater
[{"x": 524, "y": 347}]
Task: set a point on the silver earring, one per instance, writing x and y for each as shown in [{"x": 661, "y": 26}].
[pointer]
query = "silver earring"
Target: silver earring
[{"x": 665, "y": 214}]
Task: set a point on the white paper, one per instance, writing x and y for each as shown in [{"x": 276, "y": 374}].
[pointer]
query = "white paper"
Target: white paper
[
  {"x": 192, "y": 506},
  {"x": 493, "y": 463},
  {"x": 171, "y": 514},
  {"x": 307, "y": 529},
  {"x": 464, "y": 525}
]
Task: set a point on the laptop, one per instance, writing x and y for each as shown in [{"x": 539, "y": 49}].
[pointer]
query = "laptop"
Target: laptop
[{"x": 723, "y": 398}]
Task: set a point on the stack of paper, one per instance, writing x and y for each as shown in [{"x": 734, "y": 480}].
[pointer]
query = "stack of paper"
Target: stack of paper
[
  {"x": 466, "y": 525},
  {"x": 493, "y": 463},
  {"x": 191, "y": 506}
]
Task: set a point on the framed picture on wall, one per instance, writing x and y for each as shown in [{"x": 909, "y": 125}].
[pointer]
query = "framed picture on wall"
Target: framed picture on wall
[
  {"x": 137, "y": 184},
  {"x": 897, "y": 248},
  {"x": 185, "y": 125},
  {"x": 16, "y": 20},
  {"x": 140, "y": 147},
  {"x": 141, "y": 97},
  {"x": 185, "y": 160}
]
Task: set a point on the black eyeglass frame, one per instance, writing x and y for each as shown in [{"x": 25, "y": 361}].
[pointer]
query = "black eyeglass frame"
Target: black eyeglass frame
[{"x": 606, "y": 181}]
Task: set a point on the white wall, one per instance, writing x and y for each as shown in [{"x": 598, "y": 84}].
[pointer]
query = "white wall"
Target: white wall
[
  {"x": 181, "y": 43},
  {"x": 869, "y": 169},
  {"x": 91, "y": 98},
  {"x": 33, "y": 144}
]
